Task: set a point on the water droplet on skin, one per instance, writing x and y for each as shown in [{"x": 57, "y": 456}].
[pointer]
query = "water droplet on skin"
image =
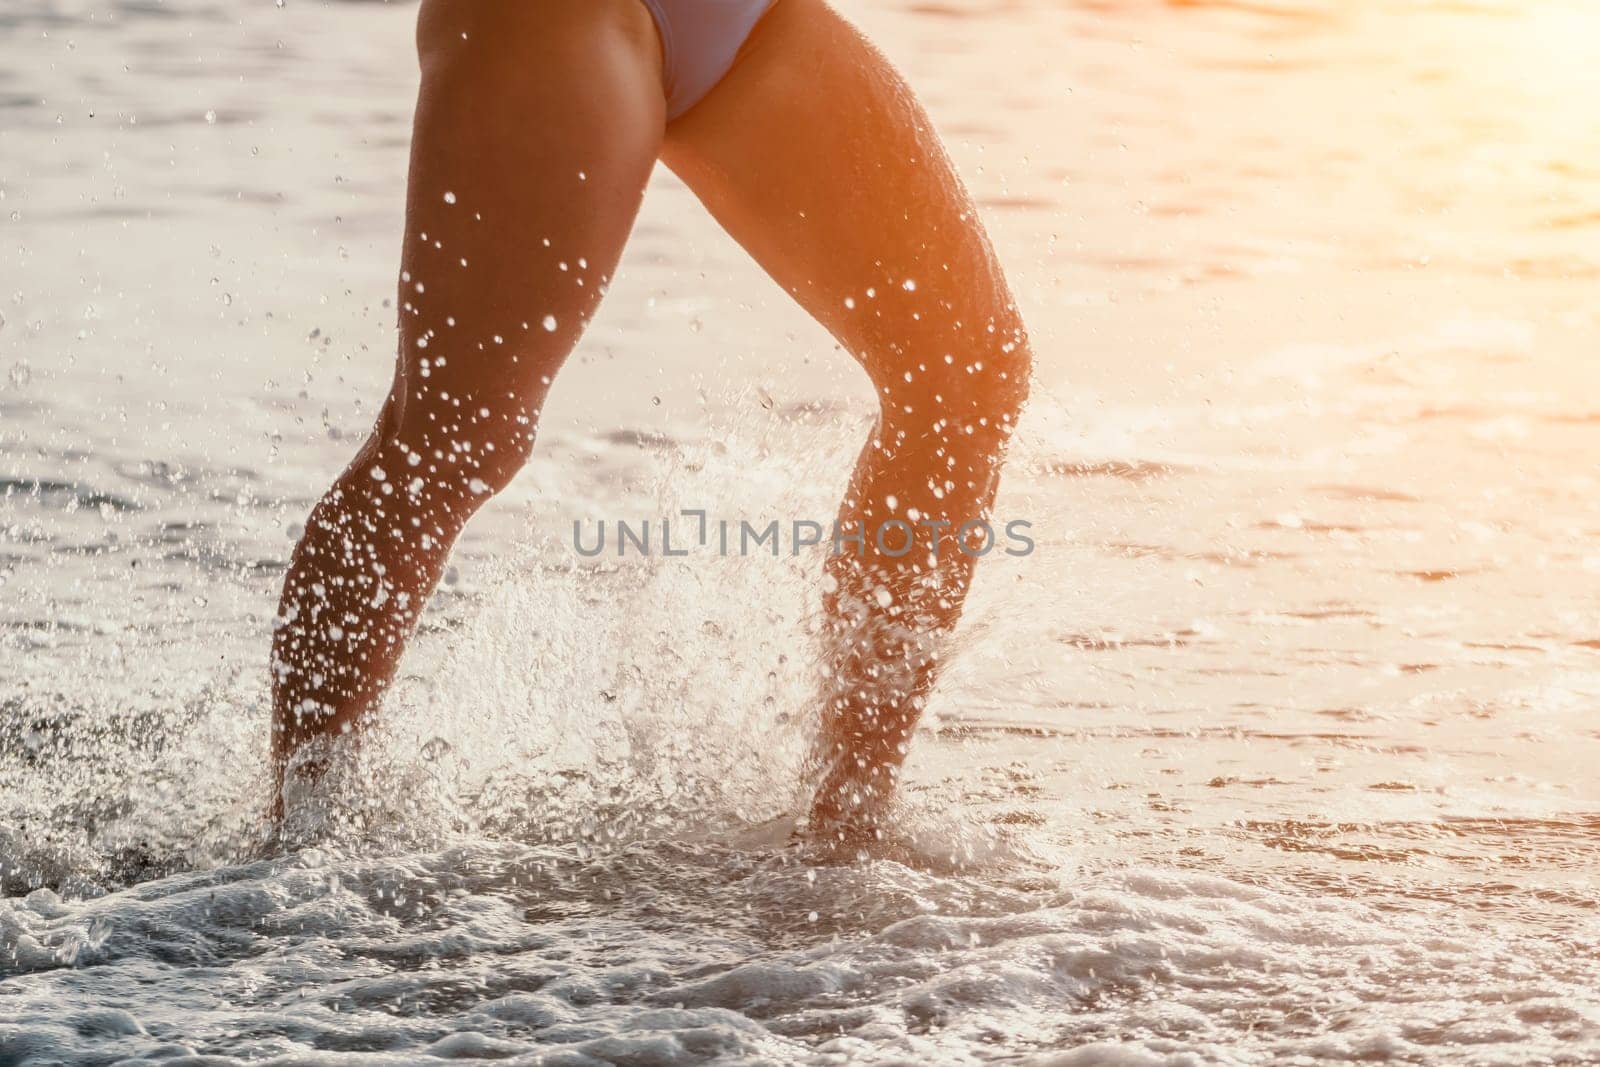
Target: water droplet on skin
[
  {"x": 449, "y": 198},
  {"x": 550, "y": 323}
]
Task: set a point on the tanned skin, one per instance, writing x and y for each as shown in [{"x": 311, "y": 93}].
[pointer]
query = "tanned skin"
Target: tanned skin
[{"x": 536, "y": 129}]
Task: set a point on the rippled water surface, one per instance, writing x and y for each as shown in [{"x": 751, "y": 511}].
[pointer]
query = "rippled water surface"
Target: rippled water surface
[{"x": 1280, "y": 748}]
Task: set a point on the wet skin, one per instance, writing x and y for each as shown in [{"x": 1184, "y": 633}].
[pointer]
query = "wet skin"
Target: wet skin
[{"x": 818, "y": 160}]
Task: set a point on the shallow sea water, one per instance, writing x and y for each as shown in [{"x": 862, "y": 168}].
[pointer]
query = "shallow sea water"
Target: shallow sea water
[{"x": 1280, "y": 748}]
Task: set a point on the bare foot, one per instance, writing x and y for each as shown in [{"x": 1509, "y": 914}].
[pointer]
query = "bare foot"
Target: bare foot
[
  {"x": 851, "y": 805},
  {"x": 297, "y": 784}
]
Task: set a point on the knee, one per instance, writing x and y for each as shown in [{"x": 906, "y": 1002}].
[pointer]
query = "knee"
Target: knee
[
  {"x": 1002, "y": 379},
  {"x": 966, "y": 401},
  {"x": 1003, "y": 391},
  {"x": 452, "y": 455}
]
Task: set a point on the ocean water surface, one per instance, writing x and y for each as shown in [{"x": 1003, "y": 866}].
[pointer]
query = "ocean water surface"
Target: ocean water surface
[{"x": 1280, "y": 748}]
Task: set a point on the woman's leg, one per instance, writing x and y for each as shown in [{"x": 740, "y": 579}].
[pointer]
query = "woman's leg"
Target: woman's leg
[
  {"x": 818, "y": 159},
  {"x": 537, "y": 126}
]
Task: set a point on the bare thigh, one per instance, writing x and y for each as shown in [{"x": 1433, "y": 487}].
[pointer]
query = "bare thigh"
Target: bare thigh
[
  {"x": 815, "y": 155},
  {"x": 537, "y": 127}
]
